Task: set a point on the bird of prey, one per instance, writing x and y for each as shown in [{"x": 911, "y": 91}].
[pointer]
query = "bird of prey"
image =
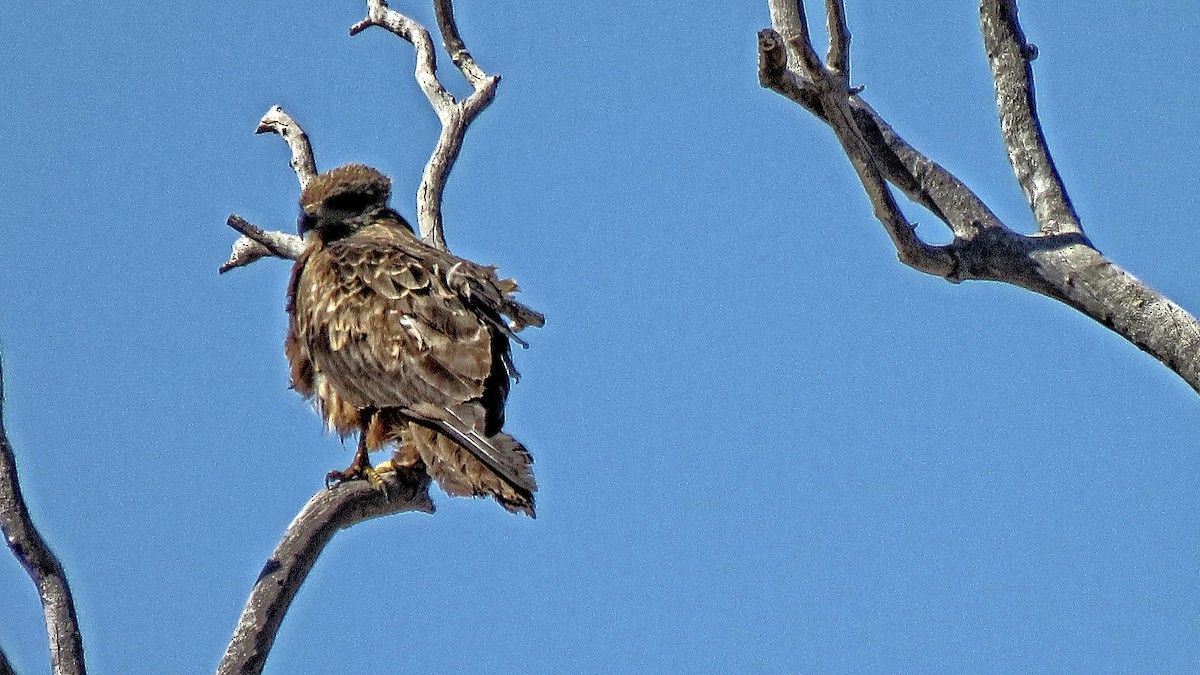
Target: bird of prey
[{"x": 404, "y": 343}]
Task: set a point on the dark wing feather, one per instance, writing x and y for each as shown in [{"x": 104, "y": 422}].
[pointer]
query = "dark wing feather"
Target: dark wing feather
[
  {"x": 392, "y": 323},
  {"x": 389, "y": 334}
]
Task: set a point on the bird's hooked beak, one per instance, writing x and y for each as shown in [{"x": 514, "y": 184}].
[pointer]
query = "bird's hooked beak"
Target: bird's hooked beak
[{"x": 305, "y": 223}]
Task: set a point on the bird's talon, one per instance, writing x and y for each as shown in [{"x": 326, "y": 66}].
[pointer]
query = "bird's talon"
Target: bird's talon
[{"x": 363, "y": 472}]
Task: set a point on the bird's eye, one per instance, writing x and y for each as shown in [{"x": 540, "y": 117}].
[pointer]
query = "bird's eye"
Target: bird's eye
[{"x": 349, "y": 202}]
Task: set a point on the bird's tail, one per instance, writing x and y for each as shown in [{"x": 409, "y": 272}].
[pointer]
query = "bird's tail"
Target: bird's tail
[{"x": 464, "y": 462}]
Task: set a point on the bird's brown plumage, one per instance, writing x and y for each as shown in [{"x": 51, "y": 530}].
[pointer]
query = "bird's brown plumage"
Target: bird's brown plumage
[{"x": 405, "y": 343}]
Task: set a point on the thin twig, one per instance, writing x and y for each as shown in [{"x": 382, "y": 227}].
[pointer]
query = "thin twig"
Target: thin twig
[
  {"x": 27, "y": 544},
  {"x": 279, "y": 122},
  {"x": 425, "y": 69},
  {"x": 1009, "y": 56},
  {"x": 327, "y": 512}
]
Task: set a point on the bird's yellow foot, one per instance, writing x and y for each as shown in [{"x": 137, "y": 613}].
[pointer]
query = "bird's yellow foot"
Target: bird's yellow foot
[
  {"x": 360, "y": 471},
  {"x": 360, "y": 468}
]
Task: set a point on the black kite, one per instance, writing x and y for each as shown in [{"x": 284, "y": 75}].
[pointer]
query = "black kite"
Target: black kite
[{"x": 404, "y": 343}]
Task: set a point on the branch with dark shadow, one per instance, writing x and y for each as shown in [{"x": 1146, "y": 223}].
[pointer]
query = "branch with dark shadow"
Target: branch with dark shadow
[
  {"x": 1058, "y": 262},
  {"x": 27, "y": 544}
]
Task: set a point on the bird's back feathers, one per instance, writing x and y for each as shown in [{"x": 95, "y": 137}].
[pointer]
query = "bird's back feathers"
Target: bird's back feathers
[{"x": 379, "y": 320}]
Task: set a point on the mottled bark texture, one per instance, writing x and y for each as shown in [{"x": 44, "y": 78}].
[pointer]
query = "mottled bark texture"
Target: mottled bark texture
[
  {"x": 23, "y": 539},
  {"x": 1058, "y": 261}
]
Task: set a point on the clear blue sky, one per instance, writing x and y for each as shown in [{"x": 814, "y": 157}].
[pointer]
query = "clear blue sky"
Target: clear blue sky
[{"x": 762, "y": 443}]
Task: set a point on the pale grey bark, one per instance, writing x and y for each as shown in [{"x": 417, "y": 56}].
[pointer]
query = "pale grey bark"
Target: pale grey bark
[
  {"x": 454, "y": 115},
  {"x": 1059, "y": 261}
]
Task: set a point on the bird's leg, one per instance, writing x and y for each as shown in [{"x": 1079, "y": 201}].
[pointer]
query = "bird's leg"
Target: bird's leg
[{"x": 360, "y": 467}]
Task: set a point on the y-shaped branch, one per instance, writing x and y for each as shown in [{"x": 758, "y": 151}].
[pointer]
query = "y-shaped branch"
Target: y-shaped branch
[
  {"x": 66, "y": 644},
  {"x": 454, "y": 115},
  {"x": 1059, "y": 262}
]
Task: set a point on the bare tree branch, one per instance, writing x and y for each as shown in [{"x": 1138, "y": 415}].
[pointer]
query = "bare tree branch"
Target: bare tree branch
[
  {"x": 278, "y": 244},
  {"x": 919, "y": 177},
  {"x": 838, "y": 57},
  {"x": 1059, "y": 262},
  {"x": 327, "y": 512},
  {"x": 453, "y": 43},
  {"x": 26, "y": 543},
  {"x": 277, "y": 121},
  {"x": 454, "y": 115},
  {"x": 832, "y": 91},
  {"x": 255, "y": 242},
  {"x": 1009, "y": 56}
]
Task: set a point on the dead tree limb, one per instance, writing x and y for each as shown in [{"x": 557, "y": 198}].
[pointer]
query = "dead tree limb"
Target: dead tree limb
[
  {"x": 454, "y": 115},
  {"x": 326, "y": 513},
  {"x": 27, "y": 544},
  {"x": 1058, "y": 261},
  {"x": 351, "y": 502},
  {"x": 255, "y": 242}
]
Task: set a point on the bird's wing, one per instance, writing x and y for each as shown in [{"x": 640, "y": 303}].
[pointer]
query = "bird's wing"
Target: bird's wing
[
  {"x": 386, "y": 330},
  {"x": 478, "y": 286}
]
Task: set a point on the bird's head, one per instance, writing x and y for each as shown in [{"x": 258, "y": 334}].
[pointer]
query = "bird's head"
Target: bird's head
[{"x": 338, "y": 202}]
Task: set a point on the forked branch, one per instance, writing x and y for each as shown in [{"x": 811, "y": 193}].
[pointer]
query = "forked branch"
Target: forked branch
[
  {"x": 455, "y": 117},
  {"x": 1058, "y": 262},
  {"x": 256, "y": 242},
  {"x": 354, "y": 501}
]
